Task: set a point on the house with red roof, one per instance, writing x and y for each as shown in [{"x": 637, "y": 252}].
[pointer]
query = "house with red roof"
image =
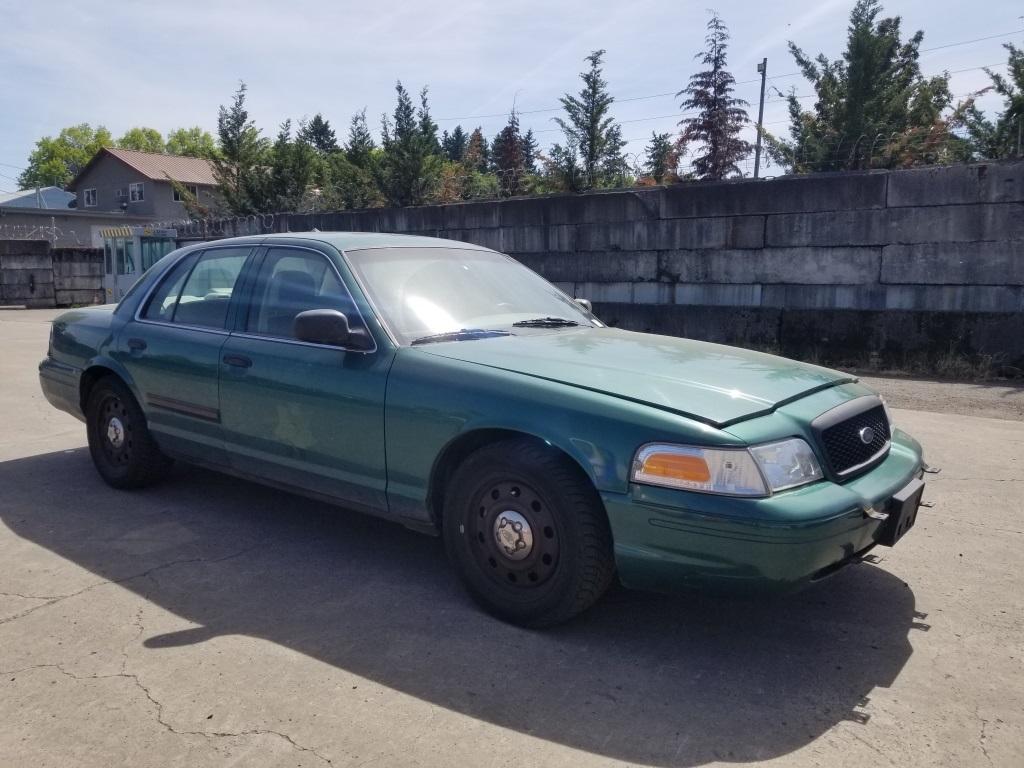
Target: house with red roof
[{"x": 140, "y": 184}]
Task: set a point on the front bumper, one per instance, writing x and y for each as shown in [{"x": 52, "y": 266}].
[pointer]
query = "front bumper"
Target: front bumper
[{"x": 668, "y": 539}]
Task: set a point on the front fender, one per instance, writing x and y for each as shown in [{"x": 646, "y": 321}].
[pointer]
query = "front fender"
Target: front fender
[{"x": 433, "y": 401}]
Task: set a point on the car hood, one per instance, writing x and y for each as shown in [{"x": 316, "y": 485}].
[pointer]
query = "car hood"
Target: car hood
[{"x": 713, "y": 383}]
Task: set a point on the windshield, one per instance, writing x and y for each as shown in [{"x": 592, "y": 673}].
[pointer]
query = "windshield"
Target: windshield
[{"x": 426, "y": 292}]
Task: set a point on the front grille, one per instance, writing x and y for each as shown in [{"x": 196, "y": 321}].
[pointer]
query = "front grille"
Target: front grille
[{"x": 844, "y": 448}]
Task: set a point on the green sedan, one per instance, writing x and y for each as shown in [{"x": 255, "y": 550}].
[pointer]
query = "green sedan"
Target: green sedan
[{"x": 449, "y": 388}]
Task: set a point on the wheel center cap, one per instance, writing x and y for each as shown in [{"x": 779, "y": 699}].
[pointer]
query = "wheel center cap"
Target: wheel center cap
[
  {"x": 115, "y": 432},
  {"x": 513, "y": 535}
]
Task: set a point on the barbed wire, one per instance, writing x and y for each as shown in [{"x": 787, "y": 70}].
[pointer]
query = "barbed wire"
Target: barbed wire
[{"x": 34, "y": 232}]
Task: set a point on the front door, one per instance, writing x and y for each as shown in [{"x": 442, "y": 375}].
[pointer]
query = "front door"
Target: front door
[
  {"x": 172, "y": 351},
  {"x": 304, "y": 415}
]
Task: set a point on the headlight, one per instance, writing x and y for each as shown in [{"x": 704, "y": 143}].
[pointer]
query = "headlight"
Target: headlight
[
  {"x": 787, "y": 463},
  {"x": 729, "y": 471},
  {"x": 756, "y": 471}
]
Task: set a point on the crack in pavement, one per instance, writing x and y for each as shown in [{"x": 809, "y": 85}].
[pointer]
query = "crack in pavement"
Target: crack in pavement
[
  {"x": 137, "y": 621},
  {"x": 160, "y": 710},
  {"x": 60, "y": 598}
]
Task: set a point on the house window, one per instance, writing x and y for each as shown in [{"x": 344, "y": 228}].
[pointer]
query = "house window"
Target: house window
[
  {"x": 90, "y": 198},
  {"x": 192, "y": 190},
  {"x": 136, "y": 193}
]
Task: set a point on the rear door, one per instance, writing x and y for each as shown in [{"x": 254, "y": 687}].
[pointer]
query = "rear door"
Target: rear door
[
  {"x": 172, "y": 348},
  {"x": 305, "y": 415}
]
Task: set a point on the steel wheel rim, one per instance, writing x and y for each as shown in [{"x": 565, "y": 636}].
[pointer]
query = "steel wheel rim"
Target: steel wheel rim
[
  {"x": 115, "y": 431},
  {"x": 513, "y": 535}
]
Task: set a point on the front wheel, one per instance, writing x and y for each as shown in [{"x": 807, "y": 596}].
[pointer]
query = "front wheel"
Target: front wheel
[
  {"x": 528, "y": 533},
  {"x": 123, "y": 450}
]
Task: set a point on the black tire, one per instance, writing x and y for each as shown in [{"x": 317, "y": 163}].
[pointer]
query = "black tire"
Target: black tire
[
  {"x": 123, "y": 450},
  {"x": 568, "y": 562}
]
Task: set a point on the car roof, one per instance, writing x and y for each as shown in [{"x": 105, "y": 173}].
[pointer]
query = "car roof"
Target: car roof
[{"x": 352, "y": 241}]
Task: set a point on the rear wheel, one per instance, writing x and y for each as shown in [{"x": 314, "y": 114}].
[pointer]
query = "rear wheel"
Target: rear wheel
[
  {"x": 528, "y": 533},
  {"x": 124, "y": 452}
]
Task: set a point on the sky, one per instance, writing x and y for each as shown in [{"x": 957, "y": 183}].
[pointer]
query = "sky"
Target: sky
[{"x": 171, "y": 64}]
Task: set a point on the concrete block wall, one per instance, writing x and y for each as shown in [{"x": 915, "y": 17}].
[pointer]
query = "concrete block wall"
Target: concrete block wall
[
  {"x": 26, "y": 273},
  {"x": 896, "y": 267},
  {"x": 78, "y": 276},
  {"x": 33, "y": 274}
]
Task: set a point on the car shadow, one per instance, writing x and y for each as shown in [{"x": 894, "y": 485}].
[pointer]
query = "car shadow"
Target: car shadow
[{"x": 658, "y": 680}]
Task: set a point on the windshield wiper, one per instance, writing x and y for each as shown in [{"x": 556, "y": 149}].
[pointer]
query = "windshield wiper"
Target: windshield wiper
[
  {"x": 545, "y": 322},
  {"x": 464, "y": 334}
]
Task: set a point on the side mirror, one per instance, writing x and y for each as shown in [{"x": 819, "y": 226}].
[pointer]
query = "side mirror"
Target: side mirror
[
  {"x": 585, "y": 303},
  {"x": 328, "y": 326}
]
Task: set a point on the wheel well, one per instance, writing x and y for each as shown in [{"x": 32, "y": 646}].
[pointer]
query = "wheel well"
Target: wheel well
[
  {"x": 88, "y": 380},
  {"x": 461, "y": 447}
]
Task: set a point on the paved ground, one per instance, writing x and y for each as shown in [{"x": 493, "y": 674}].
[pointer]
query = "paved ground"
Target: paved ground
[{"x": 210, "y": 622}]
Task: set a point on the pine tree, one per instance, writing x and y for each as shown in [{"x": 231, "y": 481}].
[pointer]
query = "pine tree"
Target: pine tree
[
  {"x": 591, "y": 134},
  {"x": 240, "y": 168},
  {"x": 428, "y": 128},
  {"x": 507, "y": 156},
  {"x": 1001, "y": 138},
  {"x": 409, "y": 165},
  {"x": 319, "y": 135},
  {"x": 873, "y": 106},
  {"x": 294, "y": 167},
  {"x": 662, "y": 158},
  {"x": 720, "y": 117},
  {"x": 454, "y": 145},
  {"x": 477, "y": 155},
  {"x": 529, "y": 145},
  {"x": 360, "y": 145}
]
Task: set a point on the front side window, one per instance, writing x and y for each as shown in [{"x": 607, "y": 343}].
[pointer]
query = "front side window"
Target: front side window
[
  {"x": 207, "y": 292},
  {"x": 90, "y": 198},
  {"x": 136, "y": 192},
  {"x": 291, "y": 281},
  {"x": 420, "y": 292}
]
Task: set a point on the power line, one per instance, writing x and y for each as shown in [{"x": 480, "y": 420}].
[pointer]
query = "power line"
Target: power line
[
  {"x": 968, "y": 42},
  {"x": 738, "y": 82},
  {"x": 15, "y": 167}
]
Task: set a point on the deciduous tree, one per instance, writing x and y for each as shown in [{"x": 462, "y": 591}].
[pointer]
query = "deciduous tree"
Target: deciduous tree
[
  {"x": 192, "y": 142},
  {"x": 143, "y": 139},
  {"x": 56, "y": 160}
]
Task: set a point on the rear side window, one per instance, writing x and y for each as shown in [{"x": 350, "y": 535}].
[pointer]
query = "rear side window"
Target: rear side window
[
  {"x": 207, "y": 292},
  {"x": 291, "y": 281},
  {"x": 164, "y": 300}
]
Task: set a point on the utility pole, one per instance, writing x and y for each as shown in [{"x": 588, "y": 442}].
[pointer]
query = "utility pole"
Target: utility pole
[{"x": 762, "y": 69}]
